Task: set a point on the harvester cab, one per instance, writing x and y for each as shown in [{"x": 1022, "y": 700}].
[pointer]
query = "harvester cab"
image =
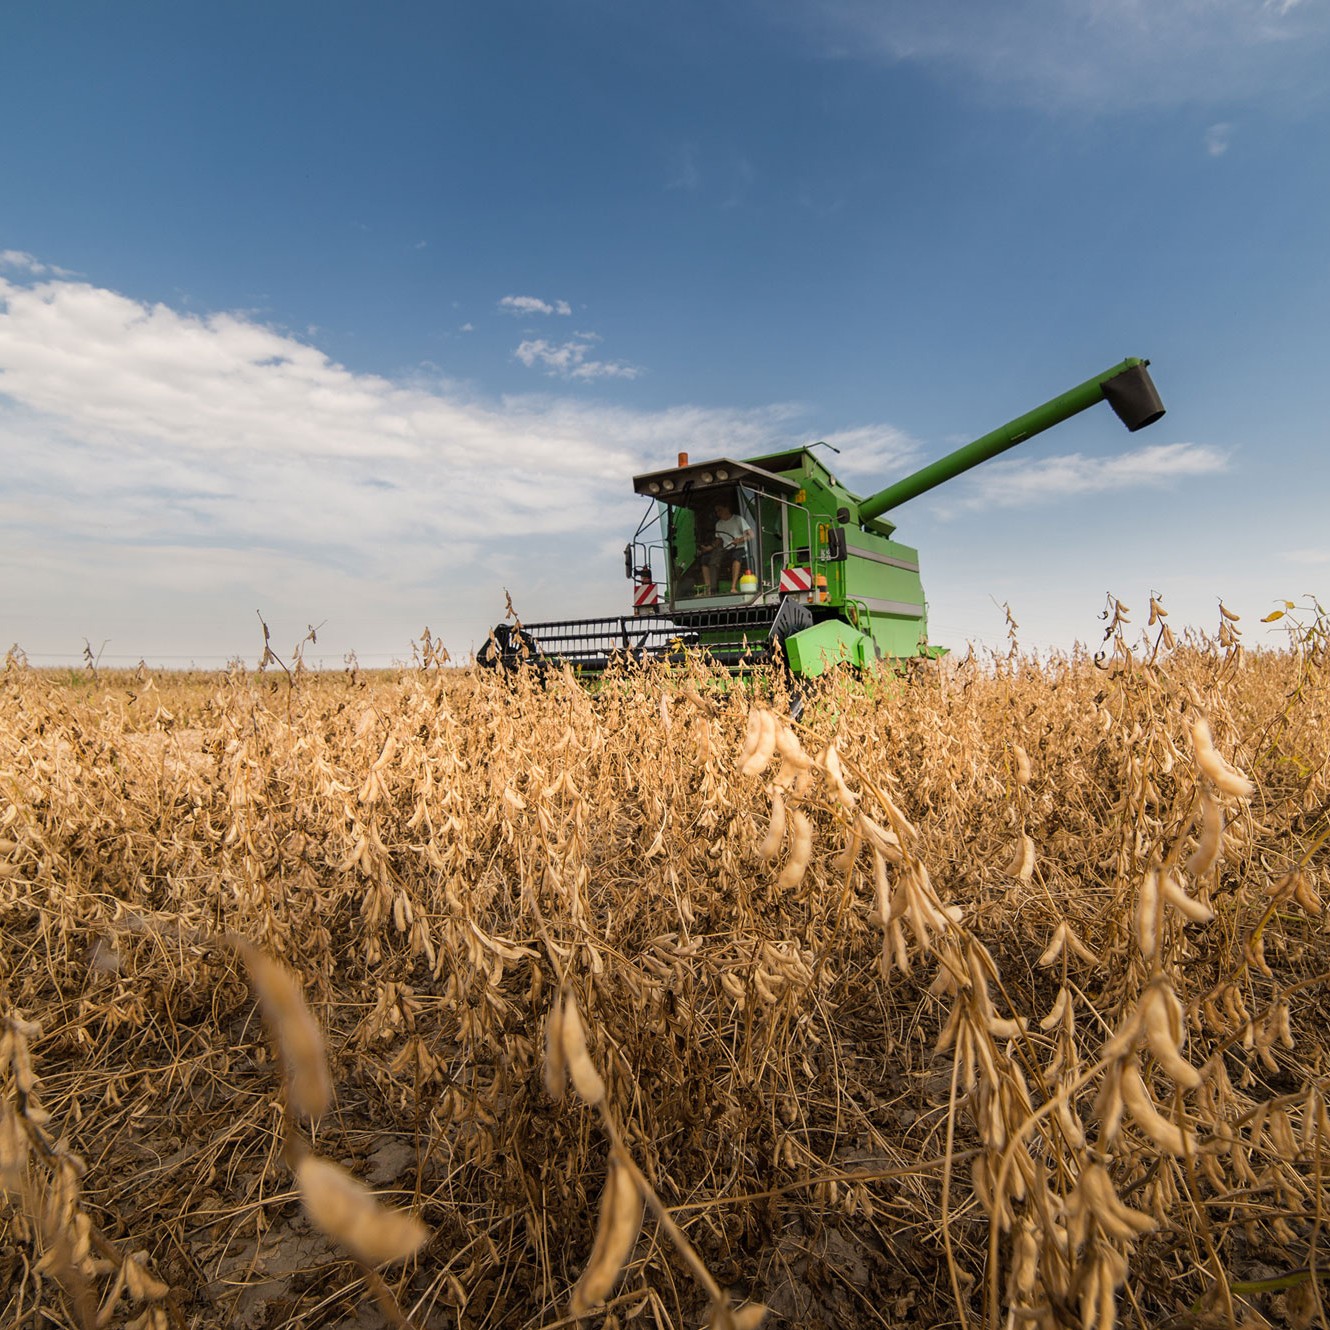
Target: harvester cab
[{"x": 773, "y": 559}]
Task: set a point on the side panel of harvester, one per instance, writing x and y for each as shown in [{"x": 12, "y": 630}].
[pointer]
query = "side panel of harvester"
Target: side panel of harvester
[{"x": 881, "y": 576}]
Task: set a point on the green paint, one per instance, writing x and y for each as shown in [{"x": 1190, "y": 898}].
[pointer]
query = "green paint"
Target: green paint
[{"x": 826, "y": 645}]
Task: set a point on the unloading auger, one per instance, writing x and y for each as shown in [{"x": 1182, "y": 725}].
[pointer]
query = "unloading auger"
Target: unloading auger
[{"x": 807, "y": 572}]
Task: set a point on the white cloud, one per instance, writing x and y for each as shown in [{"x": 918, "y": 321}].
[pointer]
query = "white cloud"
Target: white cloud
[
  {"x": 533, "y": 305},
  {"x": 875, "y": 452},
  {"x": 1011, "y": 484},
  {"x": 20, "y": 261},
  {"x": 1217, "y": 138},
  {"x": 1101, "y": 55},
  {"x": 1308, "y": 556},
  {"x": 568, "y": 360},
  {"x": 165, "y": 469},
  {"x": 188, "y": 388}
]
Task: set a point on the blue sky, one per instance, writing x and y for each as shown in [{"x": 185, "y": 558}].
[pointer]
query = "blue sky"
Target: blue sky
[{"x": 358, "y": 315}]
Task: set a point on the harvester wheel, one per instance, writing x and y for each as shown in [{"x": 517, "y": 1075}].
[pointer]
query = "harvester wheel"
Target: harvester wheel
[
  {"x": 791, "y": 618},
  {"x": 507, "y": 647}
]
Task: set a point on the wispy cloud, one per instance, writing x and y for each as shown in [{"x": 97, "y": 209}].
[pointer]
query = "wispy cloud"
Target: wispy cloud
[
  {"x": 1102, "y": 55},
  {"x": 871, "y": 452},
  {"x": 1218, "y": 137},
  {"x": 568, "y": 360},
  {"x": 1012, "y": 484},
  {"x": 685, "y": 174},
  {"x": 728, "y": 182},
  {"x": 17, "y": 260},
  {"x": 1311, "y": 556},
  {"x": 741, "y": 181},
  {"x": 533, "y": 305}
]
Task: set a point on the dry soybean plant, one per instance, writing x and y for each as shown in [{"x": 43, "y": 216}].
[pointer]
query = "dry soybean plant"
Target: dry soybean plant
[{"x": 988, "y": 996}]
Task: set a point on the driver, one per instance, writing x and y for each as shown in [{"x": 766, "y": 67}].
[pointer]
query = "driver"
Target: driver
[{"x": 729, "y": 549}]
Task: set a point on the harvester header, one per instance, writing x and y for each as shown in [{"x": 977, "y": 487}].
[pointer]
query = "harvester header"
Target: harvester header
[{"x": 774, "y": 559}]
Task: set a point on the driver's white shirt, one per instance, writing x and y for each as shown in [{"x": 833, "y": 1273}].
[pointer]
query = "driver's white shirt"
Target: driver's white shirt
[{"x": 731, "y": 530}]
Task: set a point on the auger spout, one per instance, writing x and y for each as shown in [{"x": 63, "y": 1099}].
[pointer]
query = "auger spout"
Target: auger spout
[{"x": 1126, "y": 387}]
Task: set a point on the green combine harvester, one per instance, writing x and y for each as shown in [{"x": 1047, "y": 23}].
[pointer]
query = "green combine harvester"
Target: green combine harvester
[{"x": 773, "y": 559}]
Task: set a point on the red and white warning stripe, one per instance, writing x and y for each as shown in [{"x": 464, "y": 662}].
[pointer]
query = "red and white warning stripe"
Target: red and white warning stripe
[
  {"x": 796, "y": 579},
  {"x": 644, "y": 594}
]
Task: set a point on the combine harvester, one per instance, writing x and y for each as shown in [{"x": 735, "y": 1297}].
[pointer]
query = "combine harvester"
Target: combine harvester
[{"x": 821, "y": 581}]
